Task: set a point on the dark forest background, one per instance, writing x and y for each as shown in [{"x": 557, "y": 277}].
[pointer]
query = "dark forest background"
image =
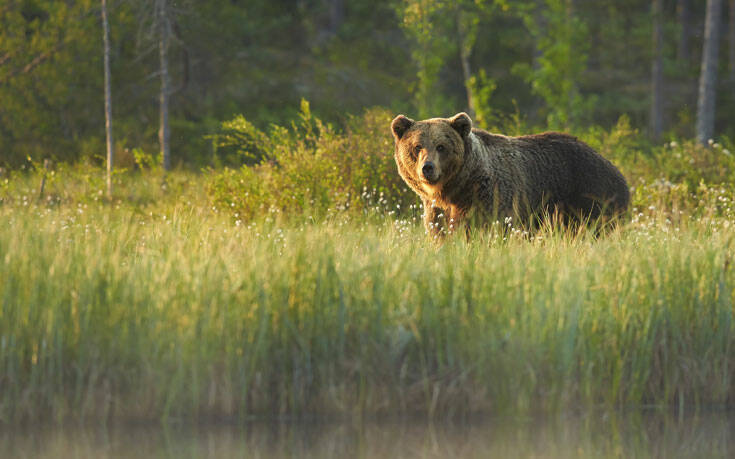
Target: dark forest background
[{"x": 541, "y": 64}]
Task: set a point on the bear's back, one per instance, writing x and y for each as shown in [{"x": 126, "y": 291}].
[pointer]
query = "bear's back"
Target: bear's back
[
  {"x": 562, "y": 169},
  {"x": 589, "y": 179}
]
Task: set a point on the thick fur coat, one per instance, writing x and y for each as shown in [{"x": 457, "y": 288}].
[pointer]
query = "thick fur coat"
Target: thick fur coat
[{"x": 460, "y": 172}]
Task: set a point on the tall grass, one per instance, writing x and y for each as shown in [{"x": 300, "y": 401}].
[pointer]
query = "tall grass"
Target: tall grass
[{"x": 117, "y": 313}]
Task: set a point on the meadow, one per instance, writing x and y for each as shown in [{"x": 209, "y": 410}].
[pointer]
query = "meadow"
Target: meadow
[{"x": 184, "y": 298}]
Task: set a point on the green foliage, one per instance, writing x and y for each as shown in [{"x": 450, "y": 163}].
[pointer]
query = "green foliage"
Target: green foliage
[
  {"x": 563, "y": 47},
  {"x": 239, "y": 140},
  {"x": 692, "y": 164},
  {"x": 618, "y": 70},
  {"x": 581, "y": 63},
  {"x": 423, "y": 21},
  {"x": 622, "y": 145},
  {"x": 309, "y": 167},
  {"x": 44, "y": 98},
  {"x": 483, "y": 88},
  {"x": 147, "y": 161},
  {"x": 677, "y": 162},
  {"x": 83, "y": 184},
  {"x": 441, "y": 30}
]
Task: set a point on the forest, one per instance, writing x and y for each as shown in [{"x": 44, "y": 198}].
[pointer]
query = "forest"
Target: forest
[{"x": 547, "y": 64}]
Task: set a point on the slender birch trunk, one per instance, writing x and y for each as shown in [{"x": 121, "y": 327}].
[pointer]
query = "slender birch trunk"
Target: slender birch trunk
[
  {"x": 708, "y": 73},
  {"x": 108, "y": 99},
  {"x": 731, "y": 41},
  {"x": 465, "y": 49},
  {"x": 163, "y": 44}
]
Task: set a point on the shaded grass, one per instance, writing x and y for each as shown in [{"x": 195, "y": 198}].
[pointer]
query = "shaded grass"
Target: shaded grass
[{"x": 115, "y": 313}]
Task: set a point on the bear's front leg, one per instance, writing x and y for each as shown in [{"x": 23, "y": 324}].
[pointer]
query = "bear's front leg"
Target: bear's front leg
[
  {"x": 457, "y": 221},
  {"x": 433, "y": 220}
]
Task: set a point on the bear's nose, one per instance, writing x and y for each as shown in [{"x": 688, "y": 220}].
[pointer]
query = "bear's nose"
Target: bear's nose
[{"x": 428, "y": 169}]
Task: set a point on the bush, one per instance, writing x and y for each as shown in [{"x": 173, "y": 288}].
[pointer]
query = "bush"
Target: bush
[
  {"x": 310, "y": 167},
  {"x": 674, "y": 177}
]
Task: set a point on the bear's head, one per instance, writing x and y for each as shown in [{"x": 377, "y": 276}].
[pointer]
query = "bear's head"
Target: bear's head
[{"x": 430, "y": 152}]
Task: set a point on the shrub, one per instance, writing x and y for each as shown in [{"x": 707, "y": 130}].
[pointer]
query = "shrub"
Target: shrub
[{"x": 309, "y": 166}]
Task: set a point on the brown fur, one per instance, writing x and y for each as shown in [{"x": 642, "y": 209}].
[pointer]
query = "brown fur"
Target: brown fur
[{"x": 495, "y": 176}]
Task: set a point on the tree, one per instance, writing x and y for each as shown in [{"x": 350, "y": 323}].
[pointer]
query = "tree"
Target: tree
[
  {"x": 156, "y": 25},
  {"x": 50, "y": 81},
  {"x": 441, "y": 28},
  {"x": 336, "y": 15},
  {"x": 562, "y": 44},
  {"x": 562, "y": 63},
  {"x": 731, "y": 40},
  {"x": 684, "y": 18},
  {"x": 466, "y": 19},
  {"x": 163, "y": 25},
  {"x": 423, "y": 20},
  {"x": 708, "y": 72},
  {"x": 108, "y": 98},
  {"x": 656, "y": 121}
]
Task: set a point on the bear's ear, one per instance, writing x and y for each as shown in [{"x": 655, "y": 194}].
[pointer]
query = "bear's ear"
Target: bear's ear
[
  {"x": 400, "y": 125},
  {"x": 461, "y": 123}
]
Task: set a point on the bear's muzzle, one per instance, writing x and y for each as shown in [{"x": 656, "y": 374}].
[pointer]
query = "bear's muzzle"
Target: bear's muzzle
[{"x": 429, "y": 172}]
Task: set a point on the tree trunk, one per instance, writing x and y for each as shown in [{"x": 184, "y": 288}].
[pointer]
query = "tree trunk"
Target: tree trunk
[
  {"x": 708, "y": 72},
  {"x": 108, "y": 98},
  {"x": 684, "y": 16},
  {"x": 731, "y": 40},
  {"x": 336, "y": 15},
  {"x": 464, "y": 56},
  {"x": 571, "y": 10},
  {"x": 163, "y": 43},
  {"x": 467, "y": 74},
  {"x": 657, "y": 72}
]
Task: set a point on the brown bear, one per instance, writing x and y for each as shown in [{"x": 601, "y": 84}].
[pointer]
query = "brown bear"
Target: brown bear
[{"x": 459, "y": 171}]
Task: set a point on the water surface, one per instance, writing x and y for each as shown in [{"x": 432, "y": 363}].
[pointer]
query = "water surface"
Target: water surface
[{"x": 601, "y": 435}]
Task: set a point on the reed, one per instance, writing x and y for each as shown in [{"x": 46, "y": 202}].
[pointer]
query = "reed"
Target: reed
[{"x": 110, "y": 312}]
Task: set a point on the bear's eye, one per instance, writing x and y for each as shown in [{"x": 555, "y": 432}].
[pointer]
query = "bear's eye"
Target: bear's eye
[
  {"x": 441, "y": 149},
  {"x": 417, "y": 149}
]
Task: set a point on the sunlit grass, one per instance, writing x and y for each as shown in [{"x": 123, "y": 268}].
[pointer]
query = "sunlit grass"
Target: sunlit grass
[{"x": 178, "y": 310}]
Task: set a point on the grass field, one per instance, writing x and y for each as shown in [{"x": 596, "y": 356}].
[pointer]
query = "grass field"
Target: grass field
[{"x": 157, "y": 306}]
